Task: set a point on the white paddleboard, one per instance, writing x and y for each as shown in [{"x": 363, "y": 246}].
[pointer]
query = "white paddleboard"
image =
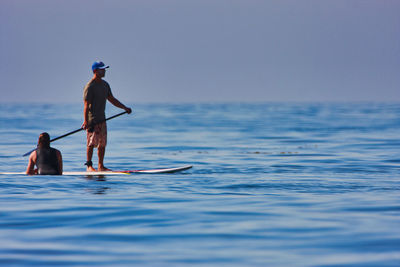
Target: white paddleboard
[
  {"x": 166, "y": 170},
  {"x": 152, "y": 171}
]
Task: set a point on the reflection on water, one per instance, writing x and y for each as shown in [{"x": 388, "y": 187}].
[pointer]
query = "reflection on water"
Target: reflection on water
[{"x": 97, "y": 188}]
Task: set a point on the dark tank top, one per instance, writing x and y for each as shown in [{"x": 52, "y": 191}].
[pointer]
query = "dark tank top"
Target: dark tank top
[{"x": 47, "y": 161}]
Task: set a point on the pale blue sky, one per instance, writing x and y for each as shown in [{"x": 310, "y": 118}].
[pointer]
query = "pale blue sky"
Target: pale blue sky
[{"x": 202, "y": 50}]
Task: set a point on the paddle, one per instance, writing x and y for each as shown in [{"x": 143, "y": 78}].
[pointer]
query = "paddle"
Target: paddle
[{"x": 77, "y": 130}]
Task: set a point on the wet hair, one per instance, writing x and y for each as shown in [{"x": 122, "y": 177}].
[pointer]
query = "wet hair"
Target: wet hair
[{"x": 44, "y": 140}]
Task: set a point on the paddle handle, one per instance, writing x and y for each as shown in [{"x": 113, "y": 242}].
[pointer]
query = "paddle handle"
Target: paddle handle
[{"x": 77, "y": 130}]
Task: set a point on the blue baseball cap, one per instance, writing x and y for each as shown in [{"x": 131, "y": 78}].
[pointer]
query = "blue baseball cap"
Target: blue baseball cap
[{"x": 99, "y": 65}]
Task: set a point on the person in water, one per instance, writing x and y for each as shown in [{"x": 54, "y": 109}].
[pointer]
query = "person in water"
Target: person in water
[
  {"x": 95, "y": 95},
  {"x": 47, "y": 159}
]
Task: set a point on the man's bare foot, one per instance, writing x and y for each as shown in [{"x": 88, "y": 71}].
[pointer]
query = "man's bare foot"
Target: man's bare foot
[
  {"x": 103, "y": 169},
  {"x": 90, "y": 169}
]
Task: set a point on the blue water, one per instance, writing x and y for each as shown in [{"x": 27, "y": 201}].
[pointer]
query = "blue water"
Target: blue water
[{"x": 273, "y": 184}]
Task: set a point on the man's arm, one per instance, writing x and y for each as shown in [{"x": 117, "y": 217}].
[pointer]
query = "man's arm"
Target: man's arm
[
  {"x": 31, "y": 165},
  {"x": 85, "y": 115},
  {"x": 118, "y": 104},
  {"x": 60, "y": 162}
]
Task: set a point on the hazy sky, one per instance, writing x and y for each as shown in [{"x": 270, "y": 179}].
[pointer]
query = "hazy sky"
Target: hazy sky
[{"x": 202, "y": 50}]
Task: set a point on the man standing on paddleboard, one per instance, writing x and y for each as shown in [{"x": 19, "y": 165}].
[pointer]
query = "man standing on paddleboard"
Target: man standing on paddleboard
[
  {"x": 95, "y": 95},
  {"x": 47, "y": 159}
]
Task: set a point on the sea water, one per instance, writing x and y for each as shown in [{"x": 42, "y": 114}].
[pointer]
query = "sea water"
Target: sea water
[{"x": 273, "y": 184}]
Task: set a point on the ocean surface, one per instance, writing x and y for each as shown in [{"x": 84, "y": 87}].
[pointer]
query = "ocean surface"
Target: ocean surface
[{"x": 273, "y": 184}]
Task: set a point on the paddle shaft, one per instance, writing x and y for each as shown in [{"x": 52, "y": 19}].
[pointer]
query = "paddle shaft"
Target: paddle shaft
[{"x": 77, "y": 130}]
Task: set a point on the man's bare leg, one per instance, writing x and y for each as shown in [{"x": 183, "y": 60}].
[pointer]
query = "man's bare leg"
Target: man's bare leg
[
  {"x": 89, "y": 154},
  {"x": 100, "y": 153}
]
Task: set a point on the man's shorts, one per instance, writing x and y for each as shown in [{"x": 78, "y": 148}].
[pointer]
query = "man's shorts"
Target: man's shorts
[{"x": 97, "y": 138}]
